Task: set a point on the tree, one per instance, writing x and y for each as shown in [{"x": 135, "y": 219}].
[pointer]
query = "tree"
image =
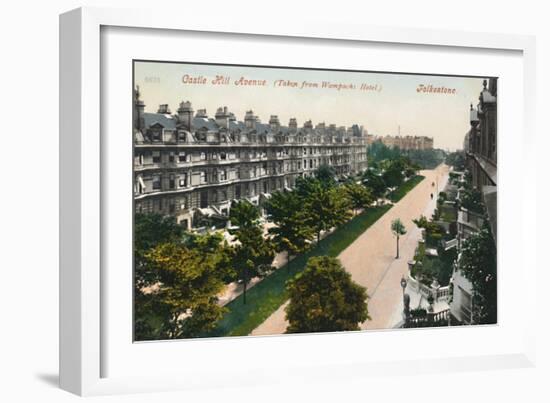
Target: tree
[
  {"x": 456, "y": 160},
  {"x": 149, "y": 231},
  {"x": 155, "y": 317},
  {"x": 324, "y": 298},
  {"x": 375, "y": 183},
  {"x": 471, "y": 200},
  {"x": 398, "y": 230},
  {"x": 188, "y": 288},
  {"x": 326, "y": 207},
  {"x": 326, "y": 175},
  {"x": 150, "y": 313},
  {"x": 292, "y": 232},
  {"x": 378, "y": 151},
  {"x": 393, "y": 175},
  {"x": 358, "y": 195},
  {"x": 253, "y": 253},
  {"x": 434, "y": 232},
  {"x": 477, "y": 263}
]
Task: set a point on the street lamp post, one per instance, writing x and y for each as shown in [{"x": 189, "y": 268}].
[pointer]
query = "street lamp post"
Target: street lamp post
[{"x": 406, "y": 302}]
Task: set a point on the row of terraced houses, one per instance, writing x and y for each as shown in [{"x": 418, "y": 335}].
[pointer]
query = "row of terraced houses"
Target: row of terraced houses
[{"x": 189, "y": 165}]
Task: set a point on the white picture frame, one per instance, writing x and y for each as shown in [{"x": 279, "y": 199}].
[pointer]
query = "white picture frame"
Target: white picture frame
[{"x": 82, "y": 168}]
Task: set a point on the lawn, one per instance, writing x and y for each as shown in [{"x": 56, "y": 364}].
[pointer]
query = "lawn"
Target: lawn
[
  {"x": 405, "y": 188},
  {"x": 268, "y": 295}
]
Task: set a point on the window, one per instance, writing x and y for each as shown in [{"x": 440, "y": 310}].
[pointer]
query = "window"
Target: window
[
  {"x": 156, "y": 182},
  {"x": 223, "y": 156},
  {"x": 171, "y": 157},
  {"x": 204, "y": 177},
  {"x": 157, "y": 134},
  {"x": 172, "y": 181},
  {"x": 156, "y": 157},
  {"x": 203, "y": 156},
  {"x": 223, "y": 195},
  {"x": 222, "y": 175},
  {"x": 182, "y": 157}
]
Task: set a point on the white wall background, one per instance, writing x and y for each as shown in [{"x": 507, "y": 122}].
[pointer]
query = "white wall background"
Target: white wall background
[{"x": 29, "y": 201}]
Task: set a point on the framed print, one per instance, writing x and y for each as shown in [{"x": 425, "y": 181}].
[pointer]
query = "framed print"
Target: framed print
[{"x": 320, "y": 200}]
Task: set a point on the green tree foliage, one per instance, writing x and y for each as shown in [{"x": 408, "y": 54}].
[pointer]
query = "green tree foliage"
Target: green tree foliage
[
  {"x": 478, "y": 264},
  {"x": 165, "y": 259},
  {"x": 375, "y": 183},
  {"x": 377, "y": 152},
  {"x": 187, "y": 290},
  {"x": 434, "y": 232},
  {"x": 359, "y": 196},
  {"x": 324, "y": 298},
  {"x": 253, "y": 254},
  {"x": 417, "y": 159},
  {"x": 425, "y": 159},
  {"x": 326, "y": 174},
  {"x": 326, "y": 207},
  {"x": 292, "y": 233},
  {"x": 398, "y": 230},
  {"x": 393, "y": 175},
  {"x": 456, "y": 160},
  {"x": 471, "y": 200},
  {"x": 149, "y": 231}
]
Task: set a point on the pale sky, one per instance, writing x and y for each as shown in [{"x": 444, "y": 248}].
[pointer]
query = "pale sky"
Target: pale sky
[{"x": 391, "y": 101}]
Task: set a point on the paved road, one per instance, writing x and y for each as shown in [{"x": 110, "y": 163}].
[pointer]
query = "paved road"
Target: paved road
[{"x": 371, "y": 257}]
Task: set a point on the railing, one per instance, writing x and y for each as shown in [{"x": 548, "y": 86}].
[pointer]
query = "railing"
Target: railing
[
  {"x": 451, "y": 244},
  {"x": 439, "y": 316},
  {"x": 431, "y": 318},
  {"x": 439, "y": 293},
  {"x": 470, "y": 218},
  {"x": 443, "y": 293}
]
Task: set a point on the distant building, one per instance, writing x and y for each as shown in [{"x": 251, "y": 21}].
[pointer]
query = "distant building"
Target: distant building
[
  {"x": 404, "y": 142},
  {"x": 188, "y": 163}
]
